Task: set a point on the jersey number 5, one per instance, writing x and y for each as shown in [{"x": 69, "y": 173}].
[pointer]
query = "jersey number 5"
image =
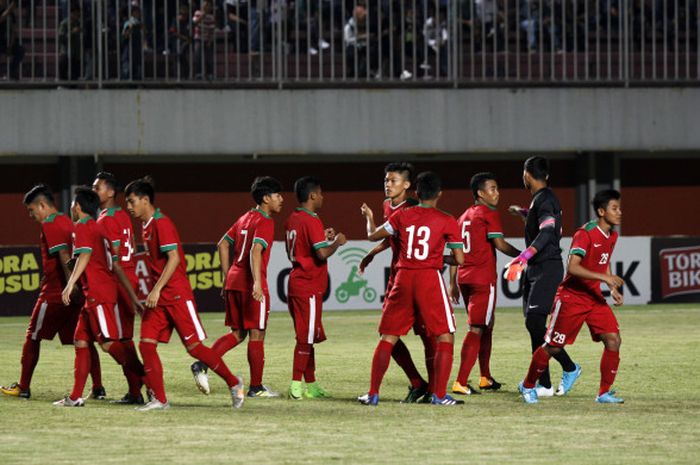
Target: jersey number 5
[
  {"x": 466, "y": 238},
  {"x": 422, "y": 235}
]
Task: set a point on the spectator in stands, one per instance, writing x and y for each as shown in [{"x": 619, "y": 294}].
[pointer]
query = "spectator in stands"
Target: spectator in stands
[
  {"x": 180, "y": 44},
  {"x": 69, "y": 46},
  {"x": 132, "y": 45},
  {"x": 9, "y": 42},
  {"x": 436, "y": 36},
  {"x": 361, "y": 60},
  {"x": 204, "y": 29},
  {"x": 244, "y": 25}
]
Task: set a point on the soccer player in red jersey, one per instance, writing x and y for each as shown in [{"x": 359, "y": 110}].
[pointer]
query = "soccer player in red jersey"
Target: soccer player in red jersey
[
  {"x": 116, "y": 227},
  {"x": 170, "y": 304},
  {"x": 482, "y": 234},
  {"x": 422, "y": 232},
  {"x": 50, "y": 316},
  {"x": 308, "y": 247},
  {"x": 397, "y": 181},
  {"x": 245, "y": 292},
  {"x": 579, "y": 299},
  {"x": 97, "y": 321}
]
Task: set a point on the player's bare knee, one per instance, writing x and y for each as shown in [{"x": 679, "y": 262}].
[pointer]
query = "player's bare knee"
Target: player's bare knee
[
  {"x": 447, "y": 337},
  {"x": 106, "y": 345},
  {"x": 391, "y": 339},
  {"x": 190, "y": 347},
  {"x": 80, "y": 344},
  {"x": 257, "y": 335},
  {"x": 477, "y": 329},
  {"x": 612, "y": 341}
]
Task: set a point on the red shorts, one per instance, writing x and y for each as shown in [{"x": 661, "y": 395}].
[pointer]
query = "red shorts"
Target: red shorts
[
  {"x": 158, "y": 323},
  {"x": 568, "y": 317},
  {"x": 418, "y": 325},
  {"x": 244, "y": 312},
  {"x": 306, "y": 313},
  {"x": 50, "y": 319},
  {"x": 125, "y": 311},
  {"x": 480, "y": 300},
  {"x": 417, "y": 294},
  {"x": 97, "y": 323}
]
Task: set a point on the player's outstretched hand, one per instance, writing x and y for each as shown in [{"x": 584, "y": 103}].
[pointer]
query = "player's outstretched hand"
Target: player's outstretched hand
[
  {"x": 617, "y": 297},
  {"x": 66, "y": 294},
  {"x": 341, "y": 239},
  {"x": 514, "y": 269},
  {"x": 454, "y": 294},
  {"x": 330, "y": 234},
  {"x": 366, "y": 260},
  {"x": 614, "y": 282},
  {"x": 137, "y": 306},
  {"x": 366, "y": 211},
  {"x": 152, "y": 299},
  {"x": 517, "y": 210}
]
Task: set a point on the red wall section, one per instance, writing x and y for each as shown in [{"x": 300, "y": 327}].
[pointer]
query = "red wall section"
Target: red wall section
[
  {"x": 16, "y": 227},
  {"x": 661, "y": 211}
]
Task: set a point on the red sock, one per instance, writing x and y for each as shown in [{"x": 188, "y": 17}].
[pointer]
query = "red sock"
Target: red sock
[
  {"x": 214, "y": 362},
  {"x": 443, "y": 366},
  {"x": 470, "y": 350},
  {"x": 310, "y": 373},
  {"x": 539, "y": 363},
  {"x": 256, "y": 360},
  {"x": 131, "y": 366},
  {"x": 225, "y": 343},
  {"x": 30, "y": 357},
  {"x": 403, "y": 359},
  {"x": 153, "y": 369},
  {"x": 380, "y": 363},
  {"x": 95, "y": 368},
  {"x": 301, "y": 360},
  {"x": 82, "y": 369},
  {"x": 485, "y": 353},
  {"x": 608, "y": 370},
  {"x": 429, "y": 351}
]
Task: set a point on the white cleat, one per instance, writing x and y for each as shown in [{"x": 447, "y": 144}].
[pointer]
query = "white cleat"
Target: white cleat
[
  {"x": 201, "y": 378},
  {"x": 68, "y": 402},
  {"x": 155, "y": 404},
  {"x": 238, "y": 393},
  {"x": 543, "y": 391}
]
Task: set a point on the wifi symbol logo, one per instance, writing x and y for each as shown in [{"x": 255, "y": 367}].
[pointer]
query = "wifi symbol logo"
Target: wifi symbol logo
[{"x": 355, "y": 285}]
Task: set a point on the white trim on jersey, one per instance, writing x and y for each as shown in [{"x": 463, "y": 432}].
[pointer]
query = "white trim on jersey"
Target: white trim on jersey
[
  {"x": 261, "y": 323},
  {"x": 103, "y": 321},
  {"x": 40, "y": 320},
  {"x": 118, "y": 319},
  {"x": 491, "y": 306},
  {"x": 197, "y": 325},
  {"x": 389, "y": 228},
  {"x": 552, "y": 321},
  {"x": 312, "y": 320},
  {"x": 448, "y": 310}
]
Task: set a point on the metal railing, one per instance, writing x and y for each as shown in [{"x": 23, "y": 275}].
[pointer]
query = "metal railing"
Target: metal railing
[{"x": 349, "y": 41}]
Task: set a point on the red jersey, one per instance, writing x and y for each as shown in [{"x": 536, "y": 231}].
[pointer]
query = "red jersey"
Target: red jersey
[
  {"x": 118, "y": 232},
  {"x": 389, "y": 211},
  {"x": 159, "y": 237},
  {"x": 99, "y": 284},
  {"x": 304, "y": 235},
  {"x": 479, "y": 224},
  {"x": 422, "y": 234},
  {"x": 253, "y": 227},
  {"x": 56, "y": 232},
  {"x": 596, "y": 248}
]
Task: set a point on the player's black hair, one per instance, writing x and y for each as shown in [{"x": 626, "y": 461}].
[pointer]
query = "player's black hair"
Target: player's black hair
[
  {"x": 262, "y": 186},
  {"x": 110, "y": 180},
  {"x": 428, "y": 185},
  {"x": 602, "y": 199},
  {"x": 478, "y": 182},
  {"x": 403, "y": 168},
  {"x": 538, "y": 167},
  {"x": 143, "y": 187},
  {"x": 88, "y": 200},
  {"x": 304, "y": 186},
  {"x": 37, "y": 192}
]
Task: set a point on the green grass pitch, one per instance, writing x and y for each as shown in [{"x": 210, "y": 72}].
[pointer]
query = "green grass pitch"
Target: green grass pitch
[{"x": 659, "y": 423}]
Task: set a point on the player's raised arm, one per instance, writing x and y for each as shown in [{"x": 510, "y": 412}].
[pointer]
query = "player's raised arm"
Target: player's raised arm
[{"x": 369, "y": 218}]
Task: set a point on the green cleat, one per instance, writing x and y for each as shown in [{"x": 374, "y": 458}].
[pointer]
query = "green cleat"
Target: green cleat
[
  {"x": 314, "y": 391},
  {"x": 415, "y": 393},
  {"x": 296, "y": 392}
]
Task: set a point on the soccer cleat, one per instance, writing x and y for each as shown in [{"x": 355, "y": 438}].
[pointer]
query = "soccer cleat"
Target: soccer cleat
[
  {"x": 426, "y": 399},
  {"x": 414, "y": 394},
  {"x": 609, "y": 398},
  {"x": 368, "y": 399},
  {"x": 155, "y": 404},
  {"x": 68, "y": 402},
  {"x": 529, "y": 394},
  {"x": 262, "y": 391},
  {"x": 314, "y": 391},
  {"x": 568, "y": 378},
  {"x": 238, "y": 393},
  {"x": 447, "y": 400},
  {"x": 295, "y": 392},
  {"x": 543, "y": 391},
  {"x": 15, "y": 391},
  {"x": 489, "y": 384},
  {"x": 98, "y": 393},
  {"x": 467, "y": 390},
  {"x": 129, "y": 399},
  {"x": 201, "y": 379}
]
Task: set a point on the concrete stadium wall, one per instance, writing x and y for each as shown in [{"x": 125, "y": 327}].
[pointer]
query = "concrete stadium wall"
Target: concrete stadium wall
[{"x": 346, "y": 121}]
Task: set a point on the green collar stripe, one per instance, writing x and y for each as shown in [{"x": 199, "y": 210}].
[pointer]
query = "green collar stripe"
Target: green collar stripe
[
  {"x": 590, "y": 225},
  {"x": 423, "y": 205},
  {"x": 82, "y": 250},
  {"x": 57, "y": 247},
  {"x": 261, "y": 241},
  {"x": 52, "y": 217},
  {"x": 157, "y": 214},
  {"x": 320, "y": 245},
  {"x": 115, "y": 258},
  {"x": 117, "y": 242},
  {"x": 302, "y": 209},
  {"x": 256, "y": 209},
  {"x": 85, "y": 220}
]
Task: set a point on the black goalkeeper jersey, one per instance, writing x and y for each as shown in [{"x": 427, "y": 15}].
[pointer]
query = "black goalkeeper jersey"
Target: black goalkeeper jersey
[{"x": 543, "y": 226}]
